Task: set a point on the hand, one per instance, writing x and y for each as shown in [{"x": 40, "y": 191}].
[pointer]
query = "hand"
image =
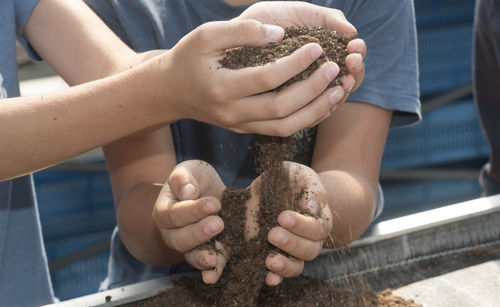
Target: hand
[
  {"x": 298, "y": 13},
  {"x": 242, "y": 100},
  {"x": 300, "y": 236},
  {"x": 185, "y": 213}
]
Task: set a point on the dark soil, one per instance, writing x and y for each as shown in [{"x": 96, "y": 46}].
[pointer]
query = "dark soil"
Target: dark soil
[
  {"x": 243, "y": 280},
  {"x": 300, "y": 291},
  {"x": 333, "y": 43}
]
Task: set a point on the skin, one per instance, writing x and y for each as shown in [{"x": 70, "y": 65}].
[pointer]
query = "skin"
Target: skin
[
  {"x": 164, "y": 210},
  {"x": 148, "y": 91}
]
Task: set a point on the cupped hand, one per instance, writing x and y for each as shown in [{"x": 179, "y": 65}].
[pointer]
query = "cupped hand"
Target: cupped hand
[
  {"x": 299, "y": 235},
  {"x": 242, "y": 100},
  {"x": 185, "y": 213},
  {"x": 298, "y": 13}
]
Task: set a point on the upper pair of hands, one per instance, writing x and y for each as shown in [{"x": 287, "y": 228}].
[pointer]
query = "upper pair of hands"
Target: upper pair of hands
[
  {"x": 186, "y": 216},
  {"x": 243, "y": 100}
]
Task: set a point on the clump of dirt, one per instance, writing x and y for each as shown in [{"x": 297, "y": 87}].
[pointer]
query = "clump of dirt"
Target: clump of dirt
[
  {"x": 334, "y": 46},
  {"x": 243, "y": 280}
]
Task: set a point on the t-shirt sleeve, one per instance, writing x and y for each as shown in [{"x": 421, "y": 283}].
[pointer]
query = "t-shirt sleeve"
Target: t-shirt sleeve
[
  {"x": 106, "y": 10},
  {"x": 391, "y": 74},
  {"x": 23, "y": 10}
]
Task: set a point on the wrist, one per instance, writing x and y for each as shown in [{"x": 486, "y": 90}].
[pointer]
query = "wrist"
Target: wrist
[{"x": 155, "y": 77}]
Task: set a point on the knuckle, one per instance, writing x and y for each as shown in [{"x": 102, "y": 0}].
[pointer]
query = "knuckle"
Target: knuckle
[
  {"x": 224, "y": 117},
  {"x": 312, "y": 252},
  {"x": 176, "y": 245},
  {"x": 283, "y": 131},
  {"x": 172, "y": 219},
  {"x": 298, "y": 268},
  {"x": 340, "y": 14},
  {"x": 217, "y": 93},
  {"x": 158, "y": 215},
  {"x": 276, "y": 109},
  {"x": 317, "y": 86},
  {"x": 293, "y": 246},
  {"x": 248, "y": 27},
  {"x": 167, "y": 238},
  {"x": 266, "y": 81},
  {"x": 203, "y": 34}
]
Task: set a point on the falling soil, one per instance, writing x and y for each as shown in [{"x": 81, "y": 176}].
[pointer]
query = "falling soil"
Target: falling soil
[{"x": 243, "y": 280}]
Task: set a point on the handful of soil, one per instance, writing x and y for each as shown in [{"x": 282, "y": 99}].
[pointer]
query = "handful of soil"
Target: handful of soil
[{"x": 334, "y": 45}]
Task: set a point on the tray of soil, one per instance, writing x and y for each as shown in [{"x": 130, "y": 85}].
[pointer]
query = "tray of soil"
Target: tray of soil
[{"x": 406, "y": 255}]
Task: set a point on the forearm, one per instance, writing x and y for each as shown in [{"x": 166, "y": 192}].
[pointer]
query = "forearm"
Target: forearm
[
  {"x": 352, "y": 200},
  {"x": 138, "y": 230},
  {"x": 40, "y": 131}
]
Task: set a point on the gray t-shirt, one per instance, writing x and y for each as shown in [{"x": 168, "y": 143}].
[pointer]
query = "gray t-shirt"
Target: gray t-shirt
[
  {"x": 391, "y": 82},
  {"x": 24, "y": 276}
]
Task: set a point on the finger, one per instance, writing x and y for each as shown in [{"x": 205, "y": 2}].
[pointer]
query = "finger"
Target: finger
[
  {"x": 192, "y": 178},
  {"x": 356, "y": 68},
  {"x": 308, "y": 227},
  {"x": 273, "y": 279},
  {"x": 316, "y": 110},
  {"x": 173, "y": 214},
  {"x": 284, "y": 266},
  {"x": 211, "y": 276},
  {"x": 222, "y": 35},
  {"x": 357, "y": 45},
  {"x": 188, "y": 237},
  {"x": 201, "y": 259},
  {"x": 294, "y": 245},
  {"x": 335, "y": 20},
  {"x": 276, "y": 105},
  {"x": 348, "y": 83},
  {"x": 254, "y": 80}
]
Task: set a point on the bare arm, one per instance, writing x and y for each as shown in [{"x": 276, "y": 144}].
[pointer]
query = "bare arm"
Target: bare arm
[
  {"x": 347, "y": 157},
  {"x": 139, "y": 166},
  {"x": 42, "y": 130}
]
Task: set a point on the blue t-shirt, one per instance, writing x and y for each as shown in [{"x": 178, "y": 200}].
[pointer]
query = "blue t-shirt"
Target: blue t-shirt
[
  {"x": 391, "y": 82},
  {"x": 24, "y": 274}
]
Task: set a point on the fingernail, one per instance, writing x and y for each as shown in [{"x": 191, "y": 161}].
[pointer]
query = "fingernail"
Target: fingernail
[
  {"x": 273, "y": 32},
  {"x": 316, "y": 51},
  {"x": 278, "y": 265},
  {"x": 331, "y": 72},
  {"x": 287, "y": 220},
  {"x": 187, "y": 191},
  {"x": 280, "y": 237},
  {"x": 212, "y": 227},
  {"x": 210, "y": 207},
  {"x": 312, "y": 206},
  {"x": 336, "y": 95}
]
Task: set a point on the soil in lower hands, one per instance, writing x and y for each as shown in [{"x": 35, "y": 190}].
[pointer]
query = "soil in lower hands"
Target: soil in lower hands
[{"x": 243, "y": 280}]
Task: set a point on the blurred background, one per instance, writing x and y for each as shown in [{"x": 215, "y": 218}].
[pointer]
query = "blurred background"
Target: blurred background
[{"x": 425, "y": 166}]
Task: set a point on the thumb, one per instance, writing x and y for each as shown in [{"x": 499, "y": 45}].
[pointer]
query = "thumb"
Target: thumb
[
  {"x": 193, "y": 179},
  {"x": 221, "y": 35}
]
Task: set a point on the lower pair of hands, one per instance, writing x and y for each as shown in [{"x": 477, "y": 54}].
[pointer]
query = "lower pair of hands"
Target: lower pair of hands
[{"x": 186, "y": 216}]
